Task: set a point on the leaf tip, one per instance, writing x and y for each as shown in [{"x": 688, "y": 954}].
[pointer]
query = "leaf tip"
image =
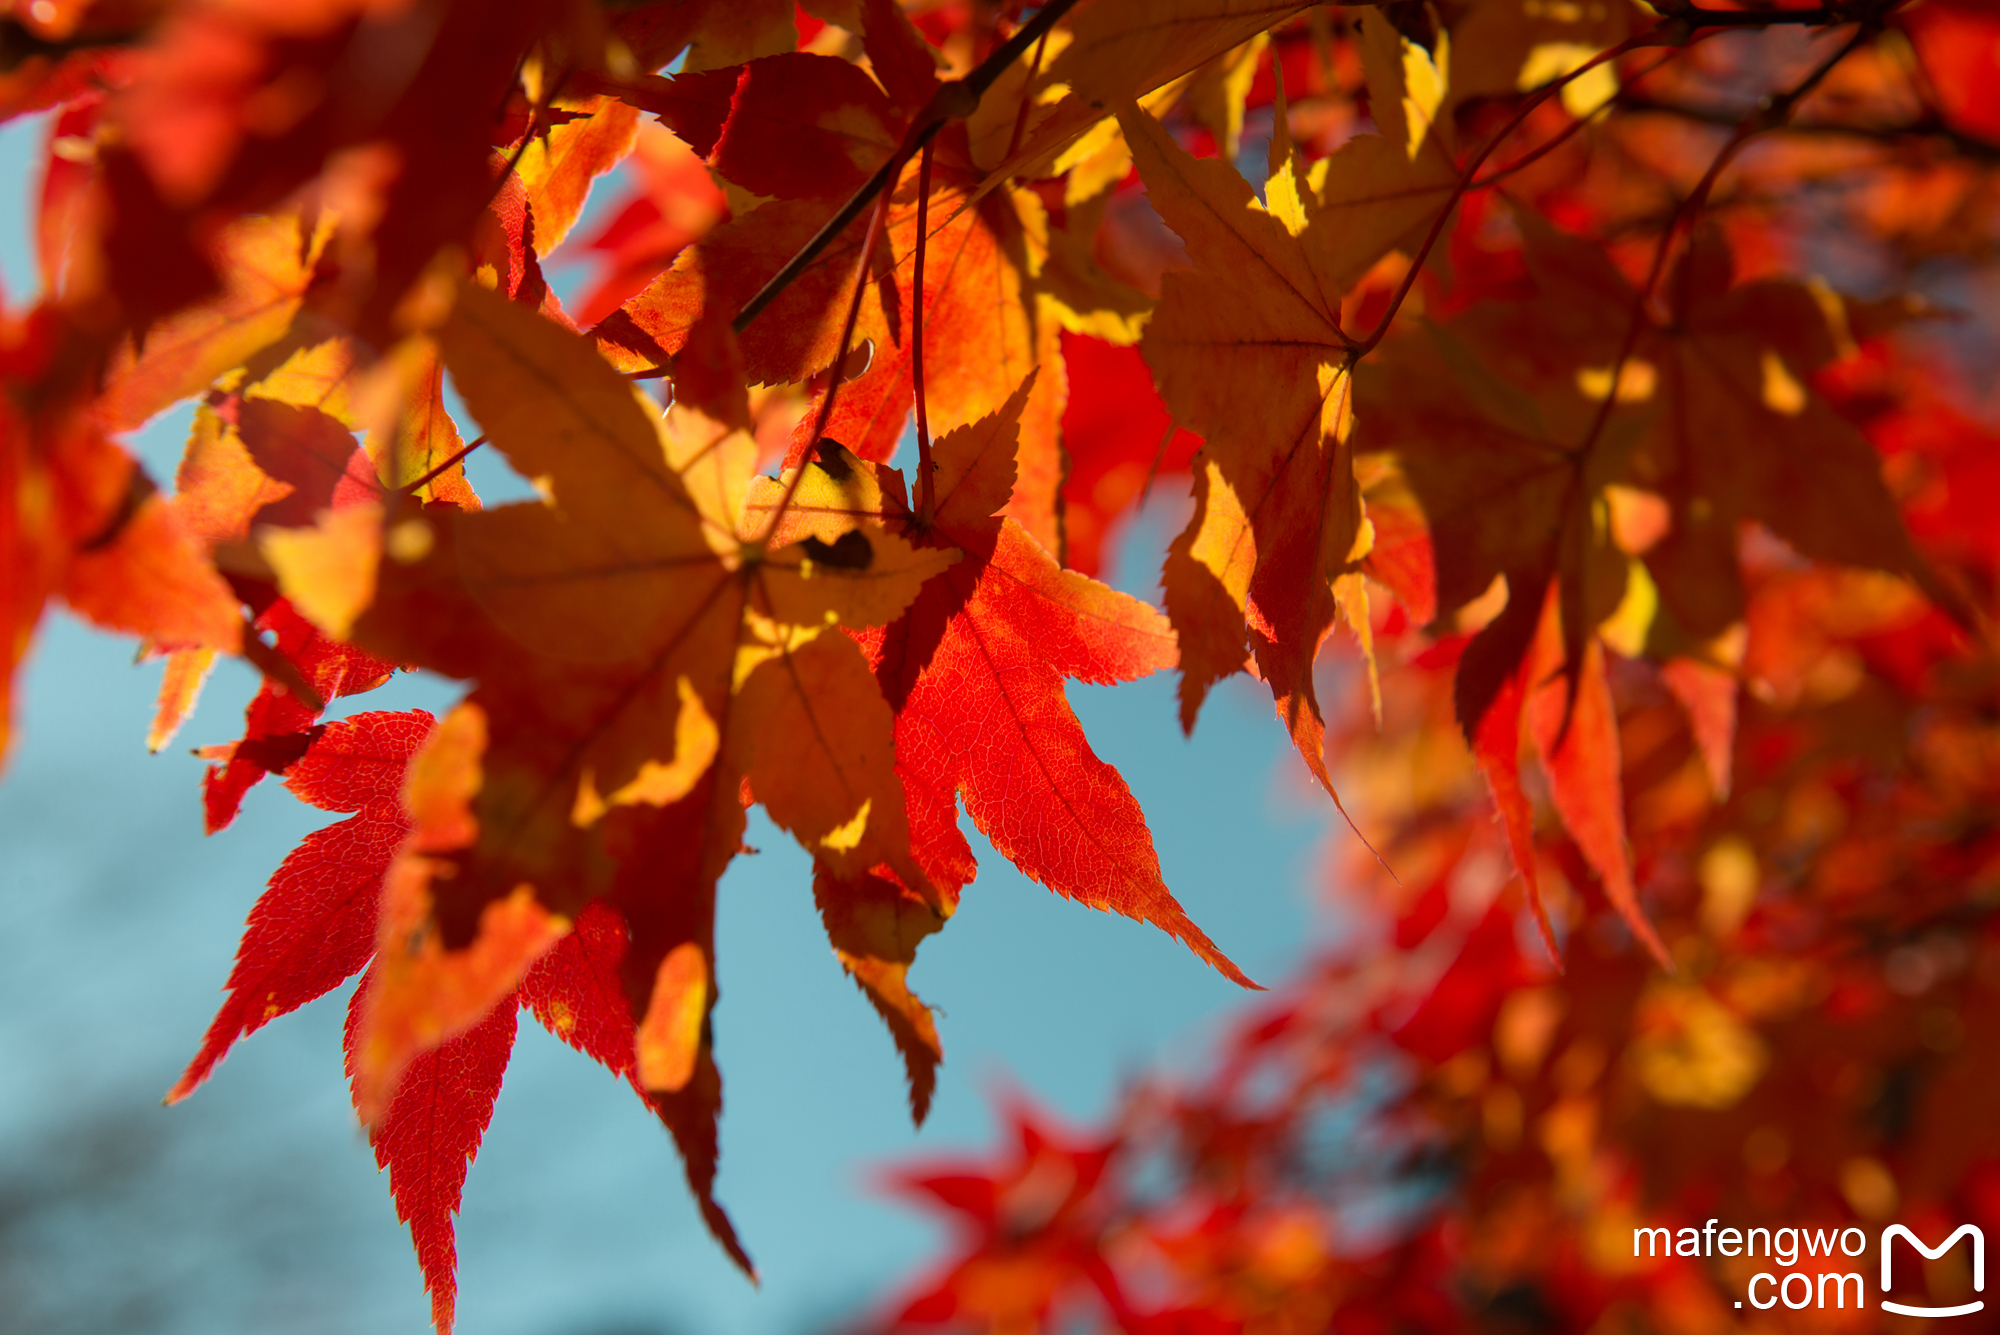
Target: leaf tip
[{"x": 183, "y": 1087}]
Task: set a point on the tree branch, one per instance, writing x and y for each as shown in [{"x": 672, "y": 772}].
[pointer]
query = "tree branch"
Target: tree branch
[
  {"x": 456, "y": 456},
  {"x": 1772, "y": 115},
  {"x": 1827, "y": 15},
  {"x": 1677, "y": 30},
  {"x": 953, "y": 101},
  {"x": 1930, "y": 127},
  {"x": 1651, "y": 37}
]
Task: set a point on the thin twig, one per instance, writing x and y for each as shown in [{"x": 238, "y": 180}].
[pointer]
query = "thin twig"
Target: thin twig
[
  {"x": 1530, "y": 158},
  {"x": 1829, "y": 15},
  {"x": 952, "y": 101},
  {"x": 1771, "y": 115},
  {"x": 1159, "y": 457},
  {"x": 926, "y": 495},
  {"x": 1651, "y": 37},
  {"x": 1928, "y": 127},
  {"x": 835, "y": 374},
  {"x": 1027, "y": 99},
  {"x": 277, "y": 668},
  {"x": 411, "y": 488}
]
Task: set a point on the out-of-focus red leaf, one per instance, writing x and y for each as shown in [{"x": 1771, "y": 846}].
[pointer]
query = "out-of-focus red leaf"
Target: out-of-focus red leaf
[
  {"x": 1958, "y": 43},
  {"x": 791, "y": 126},
  {"x": 675, "y": 202},
  {"x": 1119, "y": 441}
]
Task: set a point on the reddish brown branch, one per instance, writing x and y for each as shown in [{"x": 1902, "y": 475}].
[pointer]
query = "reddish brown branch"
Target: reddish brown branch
[
  {"x": 837, "y": 371},
  {"x": 1771, "y": 115},
  {"x": 1651, "y": 37},
  {"x": 1027, "y": 100},
  {"x": 456, "y": 456},
  {"x": 952, "y": 101},
  {"x": 925, "y": 494}
]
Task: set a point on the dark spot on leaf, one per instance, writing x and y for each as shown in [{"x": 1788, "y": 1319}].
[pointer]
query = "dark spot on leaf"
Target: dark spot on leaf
[
  {"x": 278, "y": 752},
  {"x": 849, "y": 552},
  {"x": 831, "y": 456}
]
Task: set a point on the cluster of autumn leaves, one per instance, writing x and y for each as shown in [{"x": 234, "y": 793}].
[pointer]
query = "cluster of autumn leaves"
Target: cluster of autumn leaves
[
  {"x": 1513, "y": 326},
  {"x": 1745, "y": 720}
]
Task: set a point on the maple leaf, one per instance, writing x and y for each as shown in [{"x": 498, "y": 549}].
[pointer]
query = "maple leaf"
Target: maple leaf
[
  {"x": 279, "y": 722},
  {"x": 556, "y": 169},
  {"x": 418, "y": 994},
  {"x": 276, "y": 445},
  {"x": 1250, "y": 353},
  {"x": 723, "y": 32},
  {"x": 1718, "y": 423},
  {"x": 1955, "y": 42},
  {"x": 1568, "y": 710},
  {"x": 1735, "y": 432},
  {"x": 638, "y": 663},
  {"x": 1120, "y": 49},
  {"x": 1126, "y": 50},
  {"x": 316, "y": 926},
  {"x": 974, "y": 670},
  {"x": 1508, "y": 46},
  {"x": 1120, "y": 440},
  {"x": 1028, "y": 1228},
  {"x": 126, "y": 561},
  {"x": 1459, "y": 456},
  {"x": 83, "y": 522},
  {"x": 269, "y": 263},
  {"x": 577, "y": 991},
  {"x": 254, "y": 461},
  {"x": 406, "y": 166},
  {"x": 1647, "y": 533},
  {"x": 60, "y": 60},
  {"x": 790, "y": 126},
  {"x": 272, "y": 474},
  {"x": 430, "y": 1136}
]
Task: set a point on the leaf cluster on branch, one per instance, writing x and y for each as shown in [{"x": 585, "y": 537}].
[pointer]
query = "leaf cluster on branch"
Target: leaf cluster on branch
[{"x": 1567, "y": 358}]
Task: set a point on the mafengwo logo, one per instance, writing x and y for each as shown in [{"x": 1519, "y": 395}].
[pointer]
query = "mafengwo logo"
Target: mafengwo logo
[
  {"x": 1814, "y": 1286},
  {"x": 1894, "y": 1231}
]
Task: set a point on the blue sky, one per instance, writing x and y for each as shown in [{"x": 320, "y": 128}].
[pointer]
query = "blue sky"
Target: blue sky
[{"x": 255, "y": 1206}]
